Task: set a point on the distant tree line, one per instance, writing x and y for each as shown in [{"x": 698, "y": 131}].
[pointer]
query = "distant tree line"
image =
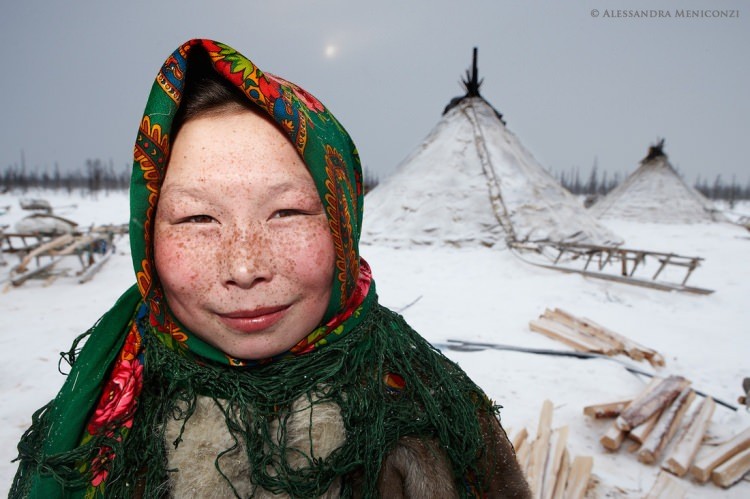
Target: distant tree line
[
  {"x": 94, "y": 178},
  {"x": 599, "y": 184}
]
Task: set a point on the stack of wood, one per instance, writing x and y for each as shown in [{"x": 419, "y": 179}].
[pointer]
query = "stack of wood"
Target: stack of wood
[
  {"x": 667, "y": 415},
  {"x": 585, "y": 335},
  {"x": 545, "y": 460}
]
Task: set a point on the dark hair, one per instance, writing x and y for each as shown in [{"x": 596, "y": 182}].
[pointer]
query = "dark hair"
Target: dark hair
[{"x": 206, "y": 92}]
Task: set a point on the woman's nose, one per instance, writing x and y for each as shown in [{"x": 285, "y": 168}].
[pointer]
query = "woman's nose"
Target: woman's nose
[{"x": 247, "y": 258}]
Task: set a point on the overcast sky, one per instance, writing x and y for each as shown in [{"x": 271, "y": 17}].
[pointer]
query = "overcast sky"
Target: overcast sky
[{"x": 573, "y": 87}]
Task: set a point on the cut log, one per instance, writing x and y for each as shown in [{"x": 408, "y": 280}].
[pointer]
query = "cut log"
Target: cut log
[
  {"x": 729, "y": 473},
  {"x": 652, "y": 402},
  {"x": 578, "y": 479},
  {"x": 564, "y": 334},
  {"x": 558, "y": 442},
  {"x": 679, "y": 459},
  {"x": 613, "y": 438},
  {"x": 665, "y": 428},
  {"x": 562, "y": 477},
  {"x": 641, "y": 432},
  {"x": 608, "y": 410},
  {"x": 666, "y": 486},
  {"x": 705, "y": 464}
]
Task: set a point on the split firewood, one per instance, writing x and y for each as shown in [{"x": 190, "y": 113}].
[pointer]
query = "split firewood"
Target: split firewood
[
  {"x": 564, "y": 334},
  {"x": 540, "y": 450},
  {"x": 681, "y": 456},
  {"x": 732, "y": 471},
  {"x": 658, "y": 397},
  {"x": 705, "y": 464},
  {"x": 562, "y": 476},
  {"x": 520, "y": 437},
  {"x": 665, "y": 428},
  {"x": 585, "y": 326},
  {"x": 605, "y": 345},
  {"x": 558, "y": 443},
  {"x": 666, "y": 486},
  {"x": 633, "y": 349},
  {"x": 641, "y": 432},
  {"x": 522, "y": 455},
  {"x": 613, "y": 438},
  {"x": 608, "y": 410},
  {"x": 578, "y": 479}
]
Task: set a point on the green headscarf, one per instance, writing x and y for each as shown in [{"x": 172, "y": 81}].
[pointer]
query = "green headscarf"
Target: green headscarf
[{"x": 103, "y": 435}]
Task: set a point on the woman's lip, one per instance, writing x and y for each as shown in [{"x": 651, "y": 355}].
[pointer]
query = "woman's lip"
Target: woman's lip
[{"x": 252, "y": 321}]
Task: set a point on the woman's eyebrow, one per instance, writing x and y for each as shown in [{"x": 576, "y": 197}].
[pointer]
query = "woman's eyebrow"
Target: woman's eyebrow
[{"x": 275, "y": 189}]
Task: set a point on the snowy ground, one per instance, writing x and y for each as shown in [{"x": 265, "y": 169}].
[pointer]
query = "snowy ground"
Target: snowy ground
[{"x": 471, "y": 294}]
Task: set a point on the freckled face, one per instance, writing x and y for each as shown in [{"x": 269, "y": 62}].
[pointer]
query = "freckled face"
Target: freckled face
[{"x": 242, "y": 245}]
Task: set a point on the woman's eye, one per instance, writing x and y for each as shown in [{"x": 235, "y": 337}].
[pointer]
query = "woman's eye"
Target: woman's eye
[
  {"x": 198, "y": 219},
  {"x": 286, "y": 213}
]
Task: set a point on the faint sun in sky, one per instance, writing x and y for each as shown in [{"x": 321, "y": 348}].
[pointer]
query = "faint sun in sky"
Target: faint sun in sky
[{"x": 331, "y": 51}]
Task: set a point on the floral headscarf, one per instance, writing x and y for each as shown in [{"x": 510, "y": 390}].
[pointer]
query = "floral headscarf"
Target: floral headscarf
[{"x": 104, "y": 435}]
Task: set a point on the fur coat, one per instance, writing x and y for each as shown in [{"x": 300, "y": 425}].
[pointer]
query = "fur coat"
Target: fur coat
[{"x": 414, "y": 468}]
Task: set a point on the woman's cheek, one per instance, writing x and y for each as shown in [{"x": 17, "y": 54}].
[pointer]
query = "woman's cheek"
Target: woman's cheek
[{"x": 184, "y": 257}]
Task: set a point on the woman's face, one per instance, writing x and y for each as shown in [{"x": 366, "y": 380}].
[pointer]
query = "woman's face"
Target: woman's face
[{"x": 242, "y": 245}]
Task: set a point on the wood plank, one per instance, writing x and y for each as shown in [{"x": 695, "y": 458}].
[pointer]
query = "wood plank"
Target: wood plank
[
  {"x": 643, "y": 408},
  {"x": 633, "y": 349},
  {"x": 540, "y": 449},
  {"x": 705, "y": 464},
  {"x": 732, "y": 470},
  {"x": 558, "y": 442},
  {"x": 606, "y": 410},
  {"x": 562, "y": 476},
  {"x": 681, "y": 456},
  {"x": 607, "y": 346},
  {"x": 520, "y": 437},
  {"x": 665, "y": 428},
  {"x": 578, "y": 479},
  {"x": 666, "y": 486},
  {"x": 564, "y": 334},
  {"x": 587, "y": 326}
]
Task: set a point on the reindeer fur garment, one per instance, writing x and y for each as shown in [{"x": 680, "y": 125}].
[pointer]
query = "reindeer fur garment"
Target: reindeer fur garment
[{"x": 415, "y": 468}]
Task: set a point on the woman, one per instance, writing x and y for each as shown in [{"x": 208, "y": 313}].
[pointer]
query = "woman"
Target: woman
[{"x": 252, "y": 357}]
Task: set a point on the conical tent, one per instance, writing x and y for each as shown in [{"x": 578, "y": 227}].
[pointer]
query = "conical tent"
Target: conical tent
[
  {"x": 471, "y": 182},
  {"x": 654, "y": 192}
]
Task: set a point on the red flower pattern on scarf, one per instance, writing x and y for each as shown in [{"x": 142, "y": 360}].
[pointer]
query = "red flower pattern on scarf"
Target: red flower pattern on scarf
[{"x": 117, "y": 403}]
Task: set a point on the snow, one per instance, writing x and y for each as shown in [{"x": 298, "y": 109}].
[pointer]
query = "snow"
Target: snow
[{"x": 469, "y": 293}]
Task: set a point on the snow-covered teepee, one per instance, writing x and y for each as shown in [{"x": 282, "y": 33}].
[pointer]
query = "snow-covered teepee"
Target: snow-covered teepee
[
  {"x": 470, "y": 183},
  {"x": 654, "y": 192}
]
